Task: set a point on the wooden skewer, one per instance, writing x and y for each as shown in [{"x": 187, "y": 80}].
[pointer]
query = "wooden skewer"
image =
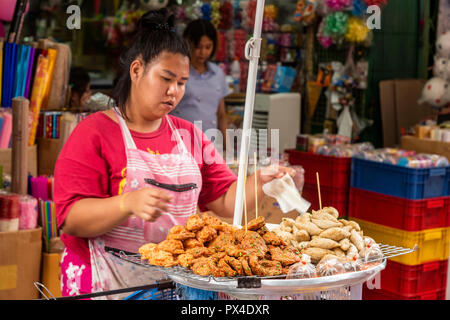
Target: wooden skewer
[
  {"x": 256, "y": 185},
  {"x": 245, "y": 205},
  {"x": 318, "y": 189}
]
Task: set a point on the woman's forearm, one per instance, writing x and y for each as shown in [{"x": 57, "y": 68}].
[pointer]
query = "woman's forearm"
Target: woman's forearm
[{"x": 90, "y": 218}]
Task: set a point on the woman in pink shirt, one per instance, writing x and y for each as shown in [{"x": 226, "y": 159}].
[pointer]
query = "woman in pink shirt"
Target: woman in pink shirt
[{"x": 127, "y": 175}]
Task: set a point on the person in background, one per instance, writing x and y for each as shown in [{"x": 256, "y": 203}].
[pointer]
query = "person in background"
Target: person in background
[
  {"x": 206, "y": 88},
  {"x": 80, "y": 84}
]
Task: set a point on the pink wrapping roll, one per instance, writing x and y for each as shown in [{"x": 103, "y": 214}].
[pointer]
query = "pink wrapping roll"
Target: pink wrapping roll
[
  {"x": 28, "y": 218},
  {"x": 9, "y": 213}
]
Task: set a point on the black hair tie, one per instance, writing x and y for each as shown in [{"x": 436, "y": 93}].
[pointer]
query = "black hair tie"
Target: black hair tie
[{"x": 162, "y": 26}]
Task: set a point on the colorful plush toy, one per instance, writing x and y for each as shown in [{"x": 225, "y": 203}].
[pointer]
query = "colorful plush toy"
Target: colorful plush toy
[
  {"x": 436, "y": 93},
  {"x": 306, "y": 11},
  {"x": 441, "y": 68},
  {"x": 443, "y": 46}
]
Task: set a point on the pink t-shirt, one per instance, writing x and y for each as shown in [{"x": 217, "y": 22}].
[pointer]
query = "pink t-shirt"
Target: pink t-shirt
[{"x": 92, "y": 164}]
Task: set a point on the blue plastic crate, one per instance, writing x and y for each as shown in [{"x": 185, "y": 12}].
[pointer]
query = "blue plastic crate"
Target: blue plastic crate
[
  {"x": 153, "y": 294},
  {"x": 393, "y": 180}
]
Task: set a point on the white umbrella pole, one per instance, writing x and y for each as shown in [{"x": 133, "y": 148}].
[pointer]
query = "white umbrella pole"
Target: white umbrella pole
[{"x": 252, "y": 53}]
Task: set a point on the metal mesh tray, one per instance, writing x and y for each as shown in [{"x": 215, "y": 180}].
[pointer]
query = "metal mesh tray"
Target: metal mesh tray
[{"x": 273, "y": 285}]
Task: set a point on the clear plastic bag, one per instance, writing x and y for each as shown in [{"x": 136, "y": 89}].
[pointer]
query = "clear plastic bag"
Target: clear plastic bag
[
  {"x": 303, "y": 269},
  {"x": 330, "y": 267}
]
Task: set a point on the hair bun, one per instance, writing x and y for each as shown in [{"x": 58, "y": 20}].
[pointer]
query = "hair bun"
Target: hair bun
[{"x": 156, "y": 20}]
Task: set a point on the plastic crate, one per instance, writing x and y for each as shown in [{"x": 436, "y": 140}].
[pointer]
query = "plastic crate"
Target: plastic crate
[
  {"x": 331, "y": 197},
  {"x": 399, "y": 181},
  {"x": 333, "y": 172},
  {"x": 433, "y": 244},
  {"x": 153, "y": 294},
  {"x": 384, "y": 295},
  {"x": 414, "y": 280},
  {"x": 400, "y": 213}
]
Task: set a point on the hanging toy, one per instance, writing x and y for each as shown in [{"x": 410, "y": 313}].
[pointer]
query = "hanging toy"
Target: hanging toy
[
  {"x": 338, "y": 5},
  {"x": 194, "y": 11},
  {"x": 237, "y": 19},
  {"x": 306, "y": 11},
  {"x": 248, "y": 19},
  {"x": 215, "y": 13},
  {"x": 359, "y": 8},
  {"x": 357, "y": 30},
  {"x": 441, "y": 68},
  {"x": 206, "y": 11},
  {"x": 336, "y": 24},
  {"x": 443, "y": 46},
  {"x": 325, "y": 41},
  {"x": 270, "y": 15},
  {"x": 226, "y": 15},
  {"x": 436, "y": 93}
]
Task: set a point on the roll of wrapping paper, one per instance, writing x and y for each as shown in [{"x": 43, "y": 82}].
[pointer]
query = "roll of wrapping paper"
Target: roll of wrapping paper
[
  {"x": 28, "y": 217},
  {"x": 60, "y": 81},
  {"x": 9, "y": 213},
  {"x": 37, "y": 95},
  {"x": 19, "y": 170},
  {"x": 52, "y": 55}
]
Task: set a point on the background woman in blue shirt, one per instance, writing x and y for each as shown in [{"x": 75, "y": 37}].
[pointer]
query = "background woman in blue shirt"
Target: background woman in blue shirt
[{"x": 206, "y": 87}]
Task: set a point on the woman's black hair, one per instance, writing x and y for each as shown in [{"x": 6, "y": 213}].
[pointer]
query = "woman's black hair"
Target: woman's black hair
[
  {"x": 196, "y": 29},
  {"x": 155, "y": 34}
]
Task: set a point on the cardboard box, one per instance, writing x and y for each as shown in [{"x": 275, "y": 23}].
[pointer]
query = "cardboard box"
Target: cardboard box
[
  {"x": 400, "y": 108},
  {"x": 20, "y": 264},
  {"x": 6, "y": 160},
  {"x": 48, "y": 151},
  {"x": 426, "y": 146},
  {"x": 51, "y": 273}
]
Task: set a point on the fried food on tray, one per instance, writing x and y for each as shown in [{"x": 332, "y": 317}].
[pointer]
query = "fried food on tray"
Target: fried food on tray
[
  {"x": 180, "y": 233},
  {"x": 162, "y": 258},
  {"x": 195, "y": 223},
  {"x": 222, "y": 241},
  {"x": 191, "y": 243},
  {"x": 256, "y": 224},
  {"x": 287, "y": 256},
  {"x": 226, "y": 268},
  {"x": 172, "y": 246},
  {"x": 265, "y": 268},
  {"x": 252, "y": 242},
  {"x": 186, "y": 260},
  {"x": 245, "y": 267},
  {"x": 200, "y": 252},
  {"x": 271, "y": 238},
  {"x": 206, "y": 234},
  {"x": 146, "y": 250}
]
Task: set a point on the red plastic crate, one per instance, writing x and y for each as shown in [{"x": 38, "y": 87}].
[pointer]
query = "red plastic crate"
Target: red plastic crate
[
  {"x": 407, "y": 280},
  {"x": 333, "y": 172},
  {"x": 399, "y": 213},
  {"x": 331, "y": 197},
  {"x": 384, "y": 295}
]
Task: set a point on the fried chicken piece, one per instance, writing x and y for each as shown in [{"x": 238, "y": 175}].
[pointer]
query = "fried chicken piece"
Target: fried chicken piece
[
  {"x": 162, "y": 258},
  {"x": 191, "y": 243},
  {"x": 265, "y": 268},
  {"x": 287, "y": 257},
  {"x": 245, "y": 266},
  {"x": 179, "y": 233},
  {"x": 254, "y": 243},
  {"x": 217, "y": 256},
  {"x": 225, "y": 267},
  {"x": 226, "y": 228},
  {"x": 206, "y": 234},
  {"x": 256, "y": 224},
  {"x": 146, "y": 250},
  {"x": 235, "y": 264},
  {"x": 223, "y": 240},
  {"x": 172, "y": 246},
  {"x": 195, "y": 223},
  {"x": 199, "y": 251},
  {"x": 273, "y": 239},
  {"x": 186, "y": 260},
  {"x": 202, "y": 266}
]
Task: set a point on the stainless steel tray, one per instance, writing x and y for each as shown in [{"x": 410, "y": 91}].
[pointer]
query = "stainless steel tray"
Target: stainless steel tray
[{"x": 278, "y": 285}]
